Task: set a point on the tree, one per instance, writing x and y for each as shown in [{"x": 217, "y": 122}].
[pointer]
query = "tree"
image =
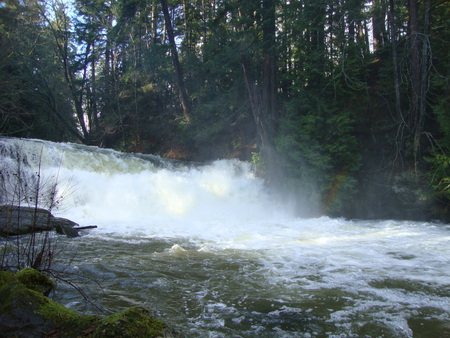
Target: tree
[
  {"x": 395, "y": 62},
  {"x": 263, "y": 97},
  {"x": 178, "y": 70},
  {"x": 379, "y": 28},
  {"x": 414, "y": 65},
  {"x": 424, "y": 80},
  {"x": 33, "y": 101}
]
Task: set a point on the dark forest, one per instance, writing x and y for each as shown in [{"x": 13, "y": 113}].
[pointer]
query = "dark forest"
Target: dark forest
[{"x": 343, "y": 104}]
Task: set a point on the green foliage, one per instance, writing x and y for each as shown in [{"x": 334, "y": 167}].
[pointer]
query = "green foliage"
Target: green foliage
[
  {"x": 33, "y": 99},
  {"x": 259, "y": 163},
  {"x": 319, "y": 153},
  {"x": 257, "y": 159},
  {"x": 440, "y": 174},
  {"x": 439, "y": 160},
  {"x": 441, "y": 110}
]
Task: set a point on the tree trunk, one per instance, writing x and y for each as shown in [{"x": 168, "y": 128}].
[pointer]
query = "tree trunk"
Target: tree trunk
[
  {"x": 393, "y": 34},
  {"x": 269, "y": 70},
  {"x": 263, "y": 98},
  {"x": 414, "y": 64},
  {"x": 255, "y": 102},
  {"x": 176, "y": 63},
  {"x": 424, "y": 81},
  {"x": 378, "y": 24},
  {"x": 154, "y": 25}
]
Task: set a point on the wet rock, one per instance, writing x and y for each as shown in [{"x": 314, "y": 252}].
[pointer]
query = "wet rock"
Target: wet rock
[
  {"x": 20, "y": 220},
  {"x": 15, "y": 220}
]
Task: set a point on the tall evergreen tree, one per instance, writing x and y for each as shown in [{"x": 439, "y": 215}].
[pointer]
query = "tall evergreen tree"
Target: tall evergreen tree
[{"x": 333, "y": 92}]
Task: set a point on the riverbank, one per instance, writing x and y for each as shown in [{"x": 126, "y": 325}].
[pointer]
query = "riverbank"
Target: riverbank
[{"x": 27, "y": 311}]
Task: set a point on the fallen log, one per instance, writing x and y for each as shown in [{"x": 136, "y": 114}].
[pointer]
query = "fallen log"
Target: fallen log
[
  {"x": 86, "y": 227},
  {"x": 72, "y": 232}
]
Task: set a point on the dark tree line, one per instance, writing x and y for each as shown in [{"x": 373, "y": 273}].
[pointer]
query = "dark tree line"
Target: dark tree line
[{"x": 338, "y": 101}]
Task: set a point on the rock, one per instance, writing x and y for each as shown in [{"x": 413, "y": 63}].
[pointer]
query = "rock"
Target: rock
[
  {"x": 6, "y": 277},
  {"x": 66, "y": 230},
  {"x": 64, "y": 222},
  {"x": 17, "y": 312},
  {"x": 133, "y": 322},
  {"x": 15, "y": 220},
  {"x": 20, "y": 220},
  {"x": 35, "y": 280},
  {"x": 26, "y": 312}
]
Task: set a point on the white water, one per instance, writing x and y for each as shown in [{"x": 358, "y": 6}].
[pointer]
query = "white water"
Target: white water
[
  {"x": 123, "y": 193},
  {"x": 211, "y": 250}
]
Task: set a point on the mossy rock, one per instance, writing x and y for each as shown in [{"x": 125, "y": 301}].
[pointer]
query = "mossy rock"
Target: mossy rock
[
  {"x": 36, "y": 281},
  {"x": 26, "y": 312},
  {"x": 6, "y": 277},
  {"x": 134, "y": 322}
]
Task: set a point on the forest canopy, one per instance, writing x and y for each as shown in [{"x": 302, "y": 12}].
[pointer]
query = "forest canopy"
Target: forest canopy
[{"x": 342, "y": 104}]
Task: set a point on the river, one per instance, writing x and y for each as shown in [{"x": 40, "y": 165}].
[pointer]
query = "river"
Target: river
[{"x": 209, "y": 250}]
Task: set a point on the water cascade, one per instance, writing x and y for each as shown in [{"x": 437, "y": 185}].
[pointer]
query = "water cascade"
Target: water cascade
[{"x": 212, "y": 252}]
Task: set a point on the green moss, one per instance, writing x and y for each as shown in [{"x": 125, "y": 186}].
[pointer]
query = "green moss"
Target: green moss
[
  {"x": 20, "y": 303},
  {"x": 18, "y": 309},
  {"x": 55, "y": 312},
  {"x": 16, "y": 295},
  {"x": 23, "y": 302},
  {"x": 35, "y": 280},
  {"x": 134, "y": 322},
  {"x": 6, "y": 277},
  {"x": 67, "y": 322}
]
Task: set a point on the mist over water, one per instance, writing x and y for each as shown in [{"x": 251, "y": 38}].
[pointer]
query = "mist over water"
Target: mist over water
[{"x": 211, "y": 251}]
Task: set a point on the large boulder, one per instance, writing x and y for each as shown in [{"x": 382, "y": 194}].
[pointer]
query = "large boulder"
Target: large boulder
[
  {"x": 26, "y": 312},
  {"x": 20, "y": 220}
]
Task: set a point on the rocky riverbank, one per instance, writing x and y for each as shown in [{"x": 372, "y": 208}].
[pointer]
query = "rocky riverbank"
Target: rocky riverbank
[{"x": 26, "y": 311}]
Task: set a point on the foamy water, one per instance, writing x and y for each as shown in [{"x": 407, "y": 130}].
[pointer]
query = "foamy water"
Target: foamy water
[{"x": 214, "y": 253}]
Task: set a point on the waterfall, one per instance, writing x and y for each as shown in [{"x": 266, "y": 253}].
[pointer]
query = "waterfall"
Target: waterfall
[{"x": 112, "y": 189}]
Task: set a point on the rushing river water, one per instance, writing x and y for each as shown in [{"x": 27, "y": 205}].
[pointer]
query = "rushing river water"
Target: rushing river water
[{"x": 208, "y": 250}]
